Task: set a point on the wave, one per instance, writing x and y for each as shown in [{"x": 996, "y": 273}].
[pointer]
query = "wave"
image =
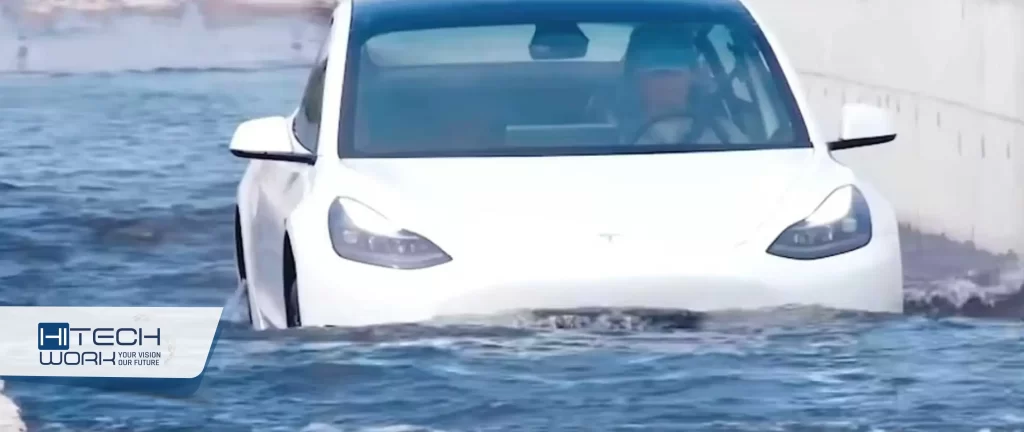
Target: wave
[{"x": 986, "y": 294}]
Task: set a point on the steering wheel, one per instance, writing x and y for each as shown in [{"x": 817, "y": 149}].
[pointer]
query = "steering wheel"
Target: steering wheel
[{"x": 698, "y": 125}]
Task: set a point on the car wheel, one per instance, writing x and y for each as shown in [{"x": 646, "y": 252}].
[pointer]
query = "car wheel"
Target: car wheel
[
  {"x": 243, "y": 277},
  {"x": 293, "y": 316}
]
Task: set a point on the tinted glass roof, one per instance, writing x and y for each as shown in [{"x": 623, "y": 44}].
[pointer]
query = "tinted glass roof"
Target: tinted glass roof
[{"x": 377, "y": 16}]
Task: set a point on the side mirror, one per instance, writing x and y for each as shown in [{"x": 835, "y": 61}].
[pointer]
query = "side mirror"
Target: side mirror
[
  {"x": 267, "y": 138},
  {"x": 863, "y": 125}
]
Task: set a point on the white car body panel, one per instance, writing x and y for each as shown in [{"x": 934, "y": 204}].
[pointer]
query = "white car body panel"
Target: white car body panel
[{"x": 686, "y": 231}]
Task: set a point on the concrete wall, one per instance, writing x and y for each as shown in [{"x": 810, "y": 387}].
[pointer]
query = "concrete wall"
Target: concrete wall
[{"x": 951, "y": 72}]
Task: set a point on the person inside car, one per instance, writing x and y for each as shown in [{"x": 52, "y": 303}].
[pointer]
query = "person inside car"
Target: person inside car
[{"x": 663, "y": 99}]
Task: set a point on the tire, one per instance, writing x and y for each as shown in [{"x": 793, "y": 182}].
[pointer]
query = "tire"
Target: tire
[
  {"x": 243, "y": 275},
  {"x": 293, "y": 316}
]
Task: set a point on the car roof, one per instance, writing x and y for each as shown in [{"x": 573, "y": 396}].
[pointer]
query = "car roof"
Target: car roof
[{"x": 375, "y": 16}]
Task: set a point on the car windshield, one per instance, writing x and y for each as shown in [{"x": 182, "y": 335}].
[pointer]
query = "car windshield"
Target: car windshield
[{"x": 588, "y": 88}]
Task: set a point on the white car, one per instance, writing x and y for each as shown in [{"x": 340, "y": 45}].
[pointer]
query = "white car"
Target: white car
[{"x": 474, "y": 157}]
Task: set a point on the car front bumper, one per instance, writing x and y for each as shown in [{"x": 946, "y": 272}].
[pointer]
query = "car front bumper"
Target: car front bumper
[{"x": 337, "y": 292}]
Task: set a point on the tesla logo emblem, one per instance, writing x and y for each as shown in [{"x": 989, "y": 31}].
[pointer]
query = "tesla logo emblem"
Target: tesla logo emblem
[{"x": 610, "y": 238}]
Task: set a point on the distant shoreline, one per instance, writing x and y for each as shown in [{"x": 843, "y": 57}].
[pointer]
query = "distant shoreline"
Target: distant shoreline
[{"x": 36, "y": 15}]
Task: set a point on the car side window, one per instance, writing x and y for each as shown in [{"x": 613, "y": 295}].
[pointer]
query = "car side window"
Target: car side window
[
  {"x": 306, "y": 125},
  {"x": 746, "y": 71}
]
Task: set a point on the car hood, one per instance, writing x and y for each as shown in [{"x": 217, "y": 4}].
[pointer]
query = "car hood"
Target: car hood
[{"x": 693, "y": 199}]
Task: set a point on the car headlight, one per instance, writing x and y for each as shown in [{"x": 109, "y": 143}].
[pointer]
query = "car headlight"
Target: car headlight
[
  {"x": 842, "y": 223},
  {"x": 360, "y": 234}
]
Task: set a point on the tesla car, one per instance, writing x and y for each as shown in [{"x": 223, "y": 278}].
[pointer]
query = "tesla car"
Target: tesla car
[{"x": 475, "y": 157}]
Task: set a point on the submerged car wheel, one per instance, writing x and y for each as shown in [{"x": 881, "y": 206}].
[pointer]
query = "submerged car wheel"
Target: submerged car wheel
[
  {"x": 291, "y": 289},
  {"x": 240, "y": 264}
]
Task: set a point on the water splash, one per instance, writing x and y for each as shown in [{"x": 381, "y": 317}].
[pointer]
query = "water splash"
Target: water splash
[
  {"x": 993, "y": 294},
  {"x": 943, "y": 277}
]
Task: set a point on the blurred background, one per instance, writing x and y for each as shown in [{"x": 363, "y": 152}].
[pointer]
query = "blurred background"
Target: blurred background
[{"x": 110, "y": 35}]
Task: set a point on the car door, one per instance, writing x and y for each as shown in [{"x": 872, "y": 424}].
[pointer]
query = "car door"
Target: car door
[{"x": 281, "y": 186}]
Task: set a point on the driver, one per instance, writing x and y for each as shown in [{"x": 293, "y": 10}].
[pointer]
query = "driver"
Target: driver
[{"x": 662, "y": 101}]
